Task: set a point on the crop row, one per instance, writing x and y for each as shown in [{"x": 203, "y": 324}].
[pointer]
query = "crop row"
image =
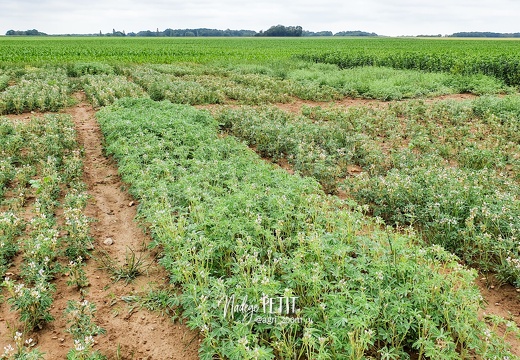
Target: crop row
[
  {"x": 42, "y": 89},
  {"x": 435, "y": 52},
  {"x": 417, "y": 167},
  {"x": 103, "y": 90},
  {"x": 237, "y": 233},
  {"x": 503, "y": 66},
  {"x": 216, "y": 85},
  {"x": 493, "y": 58},
  {"x": 385, "y": 83},
  {"x": 41, "y": 161},
  {"x": 25, "y": 89}
]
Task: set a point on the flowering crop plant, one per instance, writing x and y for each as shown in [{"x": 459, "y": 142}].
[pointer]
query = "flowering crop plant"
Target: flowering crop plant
[{"x": 233, "y": 227}]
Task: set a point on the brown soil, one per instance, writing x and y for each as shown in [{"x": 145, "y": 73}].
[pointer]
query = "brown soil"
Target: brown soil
[
  {"x": 503, "y": 301},
  {"x": 130, "y": 333},
  {"x": 296, "y": 105}
]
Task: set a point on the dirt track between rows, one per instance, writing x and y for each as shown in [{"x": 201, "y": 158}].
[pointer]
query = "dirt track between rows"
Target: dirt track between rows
[{"x": 130, "y": 333}]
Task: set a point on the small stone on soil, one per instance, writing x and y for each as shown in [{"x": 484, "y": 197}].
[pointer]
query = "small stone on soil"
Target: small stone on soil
[{"x": 108, "y": 241}]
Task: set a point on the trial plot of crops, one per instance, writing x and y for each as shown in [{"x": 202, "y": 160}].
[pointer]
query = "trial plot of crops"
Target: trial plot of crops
[{"x": 297, "y": 201}]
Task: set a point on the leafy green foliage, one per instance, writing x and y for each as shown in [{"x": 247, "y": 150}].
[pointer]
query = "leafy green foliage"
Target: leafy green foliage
[
  {"x": 77, "y": 226},
  {"x": 4, "y": 81},
  {"x": 134, "y": 265},
  {"x": 103, "y": 90},
  {"x": 43, "y": 90},
  {"x": 417, "y": 167},
  {"x": 33, "y": 303},
  {"x": 312, "y": 150},
  {"x": 390, "y": 84},
  {"x": 470, "y": 213},
  {"x": 43, "y": 162},
  {"x": 83, "y": 330},
  {"x": 78, "y": 69},
  {"x": 21, "y": 349},
  {"x": 162, "y": 300},
  {"x": 231, "y": 225},
  {"x": 427, "y": 55},
  {"x": 10, "y": 227}
]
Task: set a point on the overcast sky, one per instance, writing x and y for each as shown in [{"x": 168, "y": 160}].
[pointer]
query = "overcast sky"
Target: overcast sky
[{"x": 384, "y": 17}]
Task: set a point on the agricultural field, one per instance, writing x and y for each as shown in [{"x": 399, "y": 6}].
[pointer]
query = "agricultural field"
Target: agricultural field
[{"x": 259, "y": 198}]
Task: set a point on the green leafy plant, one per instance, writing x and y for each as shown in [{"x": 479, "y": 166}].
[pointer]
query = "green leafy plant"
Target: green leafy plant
[
  {"x": 163, "y": 301},
  {"x": 233, "y": 228},
  {"x": 134, "y": 265},
  {"x": 83, "y": 329},
  {"x": 10, "y": 227},
  {"x": 77, "y": 225},
  {"x": 43, "y": 90},
  {"x": 33, "y": 303},
  {"x": 21, "y": 350},
  {"x": 103, "y": 90},
  {"x": 77, "y": 275}
]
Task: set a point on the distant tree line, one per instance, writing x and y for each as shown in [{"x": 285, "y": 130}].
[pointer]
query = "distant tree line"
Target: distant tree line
[
  {"x": 32, "y": 32},
  {"x": 476, "y": 34},
  {"x": 431, "y": 36},
  {"x": 355, "y": 33},
  {"x": 202, "y": 32},
  {"x": 318, "y": 33},
  {"x": 277, "y": 30},
  {"x": 281, "y": 31},
  {"x": 274, "y": 31}
]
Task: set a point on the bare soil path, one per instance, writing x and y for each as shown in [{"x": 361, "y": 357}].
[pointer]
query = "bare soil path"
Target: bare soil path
[
  {"x": 296, "y": 105},
  {"x": 141, "y": 333},
  {"x": 503, "y": 301},
  {"x": 131, "y": 333}
]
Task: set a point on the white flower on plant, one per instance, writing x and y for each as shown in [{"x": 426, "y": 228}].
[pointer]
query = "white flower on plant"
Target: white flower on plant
[
  {"x": 18, "y": 289},
  {"x": 78, "y": 345},
  {"x": 243, "y": 341},
  {"x": 379, "y": 275},
  {"x": 8, "y": 349},
  {"x": 89, "y": 340},
  {"x": 35, "y": 294}
]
